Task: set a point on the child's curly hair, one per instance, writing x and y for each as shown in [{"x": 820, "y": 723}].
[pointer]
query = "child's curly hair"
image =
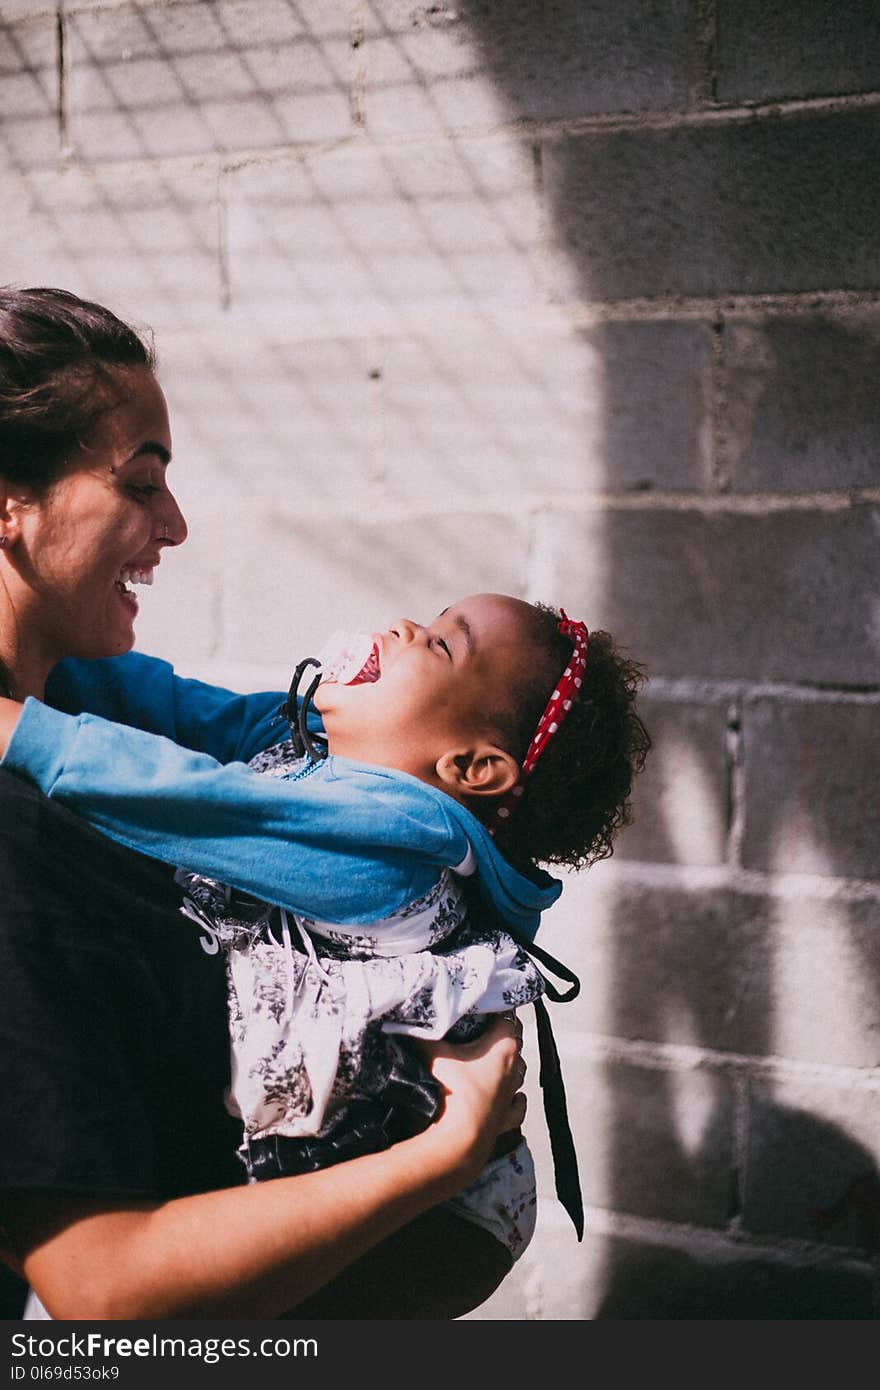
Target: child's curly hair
[{"x": 576, "y": 797}]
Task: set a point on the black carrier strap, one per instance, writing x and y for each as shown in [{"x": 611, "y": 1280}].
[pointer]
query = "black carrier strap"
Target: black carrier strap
[
  {"x": 565, "y": 1165},
  {"x": 297, "y": 717}
]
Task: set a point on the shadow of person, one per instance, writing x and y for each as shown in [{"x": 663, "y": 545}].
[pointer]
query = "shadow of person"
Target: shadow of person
[{"x": 806, "y": 1178}]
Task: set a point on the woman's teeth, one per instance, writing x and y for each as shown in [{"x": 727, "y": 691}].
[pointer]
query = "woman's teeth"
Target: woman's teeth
[{"x": 132, "y": 576}]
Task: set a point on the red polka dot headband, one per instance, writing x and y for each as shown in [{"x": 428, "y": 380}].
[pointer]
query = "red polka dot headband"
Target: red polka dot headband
[{"x": 560, "y": 702}]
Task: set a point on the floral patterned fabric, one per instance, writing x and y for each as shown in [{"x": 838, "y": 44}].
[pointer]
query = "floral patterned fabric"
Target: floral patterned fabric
[{"x": 313, "y": 1006}]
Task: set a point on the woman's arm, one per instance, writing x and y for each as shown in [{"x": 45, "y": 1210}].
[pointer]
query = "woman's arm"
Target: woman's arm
[
  {"x": 9, "y": 715},
  {"x": 439, "y": 1266},
  {"x": 261, "y": 1250}
]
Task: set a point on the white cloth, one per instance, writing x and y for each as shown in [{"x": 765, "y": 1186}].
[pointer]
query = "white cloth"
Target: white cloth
[
  {"x": 503, "y": 1200},
  {"x": 34, "y": 1310},
  {"x": 306, "y": 1031}
]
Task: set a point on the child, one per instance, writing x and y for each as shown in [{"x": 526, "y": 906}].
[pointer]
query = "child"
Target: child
[{"x": 446, "y": 761}]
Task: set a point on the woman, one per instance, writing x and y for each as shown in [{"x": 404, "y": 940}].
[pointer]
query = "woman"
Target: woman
[{"x": 119, "y": 1193}]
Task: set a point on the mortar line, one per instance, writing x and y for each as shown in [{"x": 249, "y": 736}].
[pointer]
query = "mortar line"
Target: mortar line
[
  {"x": 733, "y": 305},
  {"x": 682, "y": 117},
  {"x": 740, "y": 1144},
  {"x": 521, "y": 131},
  {"x": 64, "y": 127},
  {"x": 359, "y": 83},
  {"x": 736, "y": 788},
  {"x": 75, "y": 7},
  {"x": 224, "y": 269},
  {"x": 782, "y": 887},
  {"x": 719, "y": 481},
  {"x": 681, "y": 1057},
  {"x": 543, "y": 235},
  {"x": 702, "y": 54},
  {"x": 706, "y": 688},
  {"x": 605, "y": 1221},
  {"x": 359, "y": 507},
  {"x": 575, "y": 313}
]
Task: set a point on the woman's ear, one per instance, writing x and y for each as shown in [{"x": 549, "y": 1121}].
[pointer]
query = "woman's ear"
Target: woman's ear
[
  {"x": 485, "y": 770},
  {"x": 12, "y": 500}
]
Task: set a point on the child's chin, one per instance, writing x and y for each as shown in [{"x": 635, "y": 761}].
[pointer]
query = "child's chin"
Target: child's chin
[{"x": 330, "y": 696}]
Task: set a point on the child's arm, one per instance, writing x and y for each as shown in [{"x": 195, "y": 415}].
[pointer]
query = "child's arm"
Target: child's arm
[
  {"x": 343, "y": 844},
  {"x": 144, "y": 692}
]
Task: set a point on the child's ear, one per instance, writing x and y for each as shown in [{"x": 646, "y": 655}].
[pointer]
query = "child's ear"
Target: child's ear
[{"x": 485, "y": 770}]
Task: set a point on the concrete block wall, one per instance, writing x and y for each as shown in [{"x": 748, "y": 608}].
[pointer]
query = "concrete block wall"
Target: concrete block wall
[{"x": 578, "y": 302}]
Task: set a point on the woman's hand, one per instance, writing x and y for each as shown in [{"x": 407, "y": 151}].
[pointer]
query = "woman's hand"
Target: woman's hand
[
  {"x": 483, "y": 1099},
  {"x": 9, "y": 712}
]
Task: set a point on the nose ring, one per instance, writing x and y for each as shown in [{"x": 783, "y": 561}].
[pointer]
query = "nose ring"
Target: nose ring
[{"x": 165, "y": 531}]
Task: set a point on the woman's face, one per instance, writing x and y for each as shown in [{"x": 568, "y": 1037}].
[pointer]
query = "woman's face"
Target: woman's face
[{"x": 100, "y": 527}]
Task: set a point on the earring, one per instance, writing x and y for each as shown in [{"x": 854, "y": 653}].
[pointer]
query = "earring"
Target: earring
[{"x": 3, "y": 541}]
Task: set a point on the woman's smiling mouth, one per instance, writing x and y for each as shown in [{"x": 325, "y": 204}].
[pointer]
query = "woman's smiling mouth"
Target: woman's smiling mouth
[{"x": 130, "y": 575}]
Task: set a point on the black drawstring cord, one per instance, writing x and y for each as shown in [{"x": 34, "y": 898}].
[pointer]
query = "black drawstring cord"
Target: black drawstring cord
[
  {"x": 297, "y": 718},
  {"x": 316, "y": 751},
  {"x": 564, "y": 973},
  {"x": 565, "y": 1165}
]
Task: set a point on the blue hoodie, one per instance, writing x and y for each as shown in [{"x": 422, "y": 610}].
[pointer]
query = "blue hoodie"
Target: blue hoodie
[{"x": 343, "y": 841}]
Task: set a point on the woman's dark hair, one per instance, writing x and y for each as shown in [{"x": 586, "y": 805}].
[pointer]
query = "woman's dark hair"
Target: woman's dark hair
[
  {"x": 60, "y": 361},
  {"x": 576, "y": 797}
]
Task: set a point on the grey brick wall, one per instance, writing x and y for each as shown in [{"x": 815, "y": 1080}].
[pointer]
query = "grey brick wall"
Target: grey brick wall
[{"x": 578, "y": 302}]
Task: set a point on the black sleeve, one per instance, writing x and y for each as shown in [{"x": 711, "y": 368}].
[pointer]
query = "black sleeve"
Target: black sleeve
[{"x": 112, "y": 1017}]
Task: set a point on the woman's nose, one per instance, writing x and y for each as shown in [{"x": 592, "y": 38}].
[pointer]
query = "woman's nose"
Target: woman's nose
[{"x": 172, "y": 523}]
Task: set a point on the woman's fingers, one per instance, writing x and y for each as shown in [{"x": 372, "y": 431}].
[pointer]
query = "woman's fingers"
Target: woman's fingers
[
  {"x": 518, "y": 1103},
  {"x": 482, "y": 1081},
  {"x": 518, "y": 1070},
  {"x": 514, "y": 1018},
  {"x": 483, "y": 1099},
  {"x": 517, "y": 1112}
]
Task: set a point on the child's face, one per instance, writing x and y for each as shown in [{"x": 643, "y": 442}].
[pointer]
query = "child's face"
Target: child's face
[{"x": 437, "y": 687}]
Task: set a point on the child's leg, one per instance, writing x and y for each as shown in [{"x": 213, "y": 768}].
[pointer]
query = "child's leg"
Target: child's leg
[{"x": 503, "y": 1200}]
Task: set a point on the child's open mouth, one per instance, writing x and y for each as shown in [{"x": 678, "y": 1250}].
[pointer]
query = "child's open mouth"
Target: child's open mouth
[
  {"x": 371, "y": 669},
  {"x": 350, "y": 658}
]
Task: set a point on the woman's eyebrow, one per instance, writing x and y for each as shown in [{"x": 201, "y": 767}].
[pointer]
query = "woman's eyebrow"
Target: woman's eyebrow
[{"x": 150, "y": 446}]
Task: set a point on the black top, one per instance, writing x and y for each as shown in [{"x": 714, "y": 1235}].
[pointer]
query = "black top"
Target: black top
[{"x": 114, "y": 1050}]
